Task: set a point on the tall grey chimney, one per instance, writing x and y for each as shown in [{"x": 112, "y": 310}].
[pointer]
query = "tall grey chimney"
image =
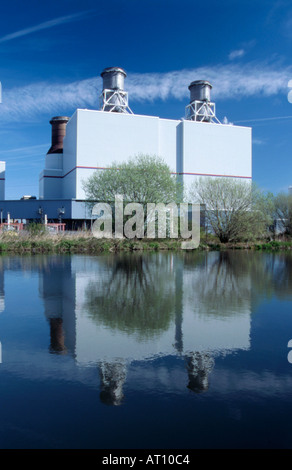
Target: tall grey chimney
[{"x": 113, "y": 97}]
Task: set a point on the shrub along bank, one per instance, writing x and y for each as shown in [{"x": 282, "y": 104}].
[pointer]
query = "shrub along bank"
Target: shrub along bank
[{"x": 84, "y": 242}]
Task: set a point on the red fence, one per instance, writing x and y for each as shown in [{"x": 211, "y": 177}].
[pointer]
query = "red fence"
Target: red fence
[
  {"x": 56, "y": 227},
  {"x": 14, "y": 226},
  {"x": 18, "y": 226}
]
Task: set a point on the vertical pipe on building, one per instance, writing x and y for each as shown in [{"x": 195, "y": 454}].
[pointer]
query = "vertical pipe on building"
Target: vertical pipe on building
[{"x": 58, "y": 133}]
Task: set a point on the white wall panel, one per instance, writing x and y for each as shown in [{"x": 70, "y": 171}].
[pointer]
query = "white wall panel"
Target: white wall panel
[{"x": 216, "y": 149}]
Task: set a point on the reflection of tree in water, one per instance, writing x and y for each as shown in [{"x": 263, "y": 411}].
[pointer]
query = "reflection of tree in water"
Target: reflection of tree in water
[
  {"x": 199, "y": 366},
  {"x": 281, "y": 267},
  {"x": 271, "y": 273},
  {"x": 228, "y": 279},
  {"x": 136, "y": 296},
  {"x": 220, "y": 284},
  {"x": 112, "y": 379}
]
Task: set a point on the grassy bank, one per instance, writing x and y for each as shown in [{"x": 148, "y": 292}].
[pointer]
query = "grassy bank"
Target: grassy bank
[
  {"x": 84, "y": 242},
  {"x": 79, "y": 242}
]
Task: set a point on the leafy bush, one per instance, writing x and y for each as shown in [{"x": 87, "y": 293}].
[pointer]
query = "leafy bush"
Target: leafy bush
[{"x": 35, "y": 228}]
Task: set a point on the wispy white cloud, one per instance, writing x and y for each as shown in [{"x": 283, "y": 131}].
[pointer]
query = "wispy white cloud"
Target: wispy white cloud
[
  {"x": 24, "y": 151},
  {"x": 236, "y": 54},
  {"x": 45, "y": 25},
  {"x": 231, "y": 81},
  {"x": 256, "y": 141},
  {"x": 274, "y": 118},
  {"x": 242, "y": 50},
  {"x": 31, "y": 101}
]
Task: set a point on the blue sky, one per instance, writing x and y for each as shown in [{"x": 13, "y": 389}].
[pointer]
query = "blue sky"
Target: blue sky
[{"x": 52, "y": 53}]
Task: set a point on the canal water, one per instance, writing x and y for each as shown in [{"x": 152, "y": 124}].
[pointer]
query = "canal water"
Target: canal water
[{"x": 146, "y": 351}]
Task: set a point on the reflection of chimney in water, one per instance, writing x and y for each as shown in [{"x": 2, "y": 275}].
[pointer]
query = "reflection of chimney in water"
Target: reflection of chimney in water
[
  {"x": 112, "y": 379},
  {"x": 199, "y": 366},
  {"x": 178, "y": 308},
  {"x": 57, "y": 336}
]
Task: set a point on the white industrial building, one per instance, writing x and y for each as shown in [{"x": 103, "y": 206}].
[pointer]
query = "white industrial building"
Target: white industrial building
[
  {"x": 197, "y": 145},
  {"x": 91, "y": 140}
]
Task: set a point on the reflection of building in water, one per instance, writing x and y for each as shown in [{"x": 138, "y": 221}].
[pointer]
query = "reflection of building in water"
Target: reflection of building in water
[
  {"x": 217, "y": 302},
  {"x": 111, "y": 310},
  {"x": 57, "y": 287},
  {"x": 214, "y": 314}
]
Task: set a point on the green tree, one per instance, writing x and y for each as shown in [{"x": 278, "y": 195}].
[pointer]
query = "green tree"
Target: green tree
[
  {"x": 142, "y": 179},
  {"x": 234, "y": 210}
]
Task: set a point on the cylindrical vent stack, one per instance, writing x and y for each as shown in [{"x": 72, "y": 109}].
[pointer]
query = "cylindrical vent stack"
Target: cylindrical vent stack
[
  {"x": 114, "y": 96},
  {"x": 200, "y": 90},
  {"x": 58, "y": 133},
  {"x": 200, "y": 98},
  {"x": 113, "y": 78}
]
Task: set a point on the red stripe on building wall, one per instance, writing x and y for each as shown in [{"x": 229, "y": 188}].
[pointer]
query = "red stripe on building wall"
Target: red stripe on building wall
[
  {"x": 173, "y": 173},
  {"x": 209, "y": 174}
]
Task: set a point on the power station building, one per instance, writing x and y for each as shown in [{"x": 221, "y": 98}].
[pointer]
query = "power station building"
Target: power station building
[{"x": 91, "y": 140}]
